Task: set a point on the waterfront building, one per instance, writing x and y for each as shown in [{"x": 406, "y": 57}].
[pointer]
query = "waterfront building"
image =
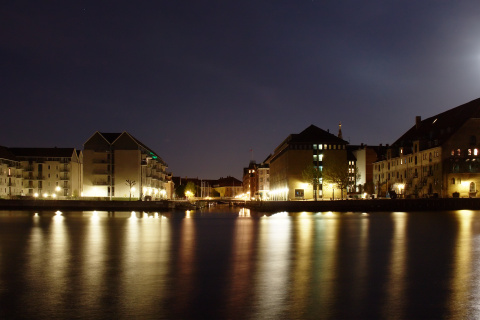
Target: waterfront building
[
  {"x": 438, "y": 156},
  {"x": 365, "y": 157},
  {"x": 228, "y": 187},
  {"x": 10, "y": 174},
  {"x": 313, "y": 147},
  {"x": 50, "y": 172},
  {"x": 262, "y": 181},
  {"x": 256, "y": 181},
  {"x": 249, "y": 180},
  {"x": 117, "y": 165}
]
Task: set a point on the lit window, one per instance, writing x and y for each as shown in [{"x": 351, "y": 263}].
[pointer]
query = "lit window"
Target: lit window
[
  {"x": 458, "y": 152},
  {"x": 469, "y": 152},
  {"x": 475, "y": 152}
]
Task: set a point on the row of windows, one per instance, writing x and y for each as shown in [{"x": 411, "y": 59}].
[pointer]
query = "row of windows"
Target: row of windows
[
  {"x": 469, "y": 152},
  {"x": 328, "y": 147},
  {"x": 430, "y": 156}
]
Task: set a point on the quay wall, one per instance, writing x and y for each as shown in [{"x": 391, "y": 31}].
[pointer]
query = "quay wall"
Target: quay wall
[{"x": 86, "y": 205}]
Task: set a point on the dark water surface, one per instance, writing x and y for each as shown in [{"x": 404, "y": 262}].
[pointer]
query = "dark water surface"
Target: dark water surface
[{"x": 224, "y": 264}]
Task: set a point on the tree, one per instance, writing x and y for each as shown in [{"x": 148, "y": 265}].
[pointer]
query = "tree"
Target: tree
[
  {"x": 336, "y": 173},
  {"x": 130, "y": 184},
  {"x": 312, "y": 175},
  {"x": 180, "y": 191},
  {"x": 190, "y": 189}
]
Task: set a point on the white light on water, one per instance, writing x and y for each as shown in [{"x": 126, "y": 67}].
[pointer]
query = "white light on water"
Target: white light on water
[{"x": 58, "y": 213}]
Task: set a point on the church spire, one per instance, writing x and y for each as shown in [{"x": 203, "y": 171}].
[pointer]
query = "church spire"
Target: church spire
[{"x": 340, "y": 131}]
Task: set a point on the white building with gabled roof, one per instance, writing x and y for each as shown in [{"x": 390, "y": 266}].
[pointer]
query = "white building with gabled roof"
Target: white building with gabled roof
[{"x": 117, "y": 165}]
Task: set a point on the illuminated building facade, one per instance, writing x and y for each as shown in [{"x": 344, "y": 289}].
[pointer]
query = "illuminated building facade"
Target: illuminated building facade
[
  {"x": 228, "y": 187},
  {"x": 249, "y": 180},
  {"x": 50, "y": 172},
  {"x": 312, "y": 147},
  {"x": 438, "y": 156},
  {"x": 10, "y": 174},
  {"x": 117, "y": 165},
  {"x": 256, "y": 181}
]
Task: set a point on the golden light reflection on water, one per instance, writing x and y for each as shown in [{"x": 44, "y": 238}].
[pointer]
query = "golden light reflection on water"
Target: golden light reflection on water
[
  {"x": 273, "y": 266},
  {"x": 327, "y": 240},
  {"x": 186, "y": 261},
  {"x": 244, "y": 212},
  {"x": 302, "y": 262},
  {"x": 93, "y": 268},
  {"x": 462, "y": 271},
  {"x": 242, "y": 267},
  {"x": 55, "y": 260},
  {"x": 360, "y": 267},
  {"x": 395, "y": 295}
]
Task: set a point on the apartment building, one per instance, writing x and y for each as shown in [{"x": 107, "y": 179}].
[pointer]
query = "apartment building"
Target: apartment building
[
  {"x": 256, "y": 181},
  {"x": 50, "y": 172},
  {"x": 117, "y": 165},
  {"x": 311, "y": 147},
  {"x": 436, "y": 157},
  {"x": 10, "y": 174}
]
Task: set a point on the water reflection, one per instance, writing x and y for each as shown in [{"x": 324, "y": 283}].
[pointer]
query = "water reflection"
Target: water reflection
[
  {"x": 462, "y": 271},
  {"x": 272, "y": 271},
  {"x": 303, "y": 237},
  {"x": 240, "y": 265},
  {"x": 395, "y": 295}
]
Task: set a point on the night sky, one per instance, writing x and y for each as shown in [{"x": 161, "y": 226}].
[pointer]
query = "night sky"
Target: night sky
[{"x": 204, "y": 82}]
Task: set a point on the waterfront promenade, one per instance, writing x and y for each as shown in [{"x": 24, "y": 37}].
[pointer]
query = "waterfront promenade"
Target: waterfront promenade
[{"x": 407, "y": 205}]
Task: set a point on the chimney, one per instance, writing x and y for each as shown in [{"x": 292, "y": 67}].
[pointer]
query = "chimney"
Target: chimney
[{"x": 418, "y": 120}]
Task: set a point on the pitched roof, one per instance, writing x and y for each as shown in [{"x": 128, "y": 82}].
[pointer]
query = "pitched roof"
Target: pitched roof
[
  {"x": 43, "y": 152},
  {"x": 6, "y": 154},
  {"x": 110, "y": 136},
  {"x": 310, "y": 135},
  {"x": 441, "y": 126},
  {"x": 315, "y": 134}
]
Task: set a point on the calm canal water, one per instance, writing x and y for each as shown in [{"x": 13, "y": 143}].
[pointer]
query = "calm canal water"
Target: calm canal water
[{"x": 237, "y": 264}]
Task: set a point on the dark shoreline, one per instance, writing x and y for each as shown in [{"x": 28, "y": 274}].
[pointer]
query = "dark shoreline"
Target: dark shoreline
[{"x": 262, "y": 206}]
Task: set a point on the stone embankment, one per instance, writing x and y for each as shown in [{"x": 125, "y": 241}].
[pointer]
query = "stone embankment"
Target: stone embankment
[{"x": 90, "y": 205}]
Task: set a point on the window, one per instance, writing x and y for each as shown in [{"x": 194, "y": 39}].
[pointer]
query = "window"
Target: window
[
  {"x": 453, "y": 180},
  {"x": 299, "y": 193},
  {"x": 472, "y": 187},
  {"x": 458, "y": 152},
  {"x": 475, "y": 152}
]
